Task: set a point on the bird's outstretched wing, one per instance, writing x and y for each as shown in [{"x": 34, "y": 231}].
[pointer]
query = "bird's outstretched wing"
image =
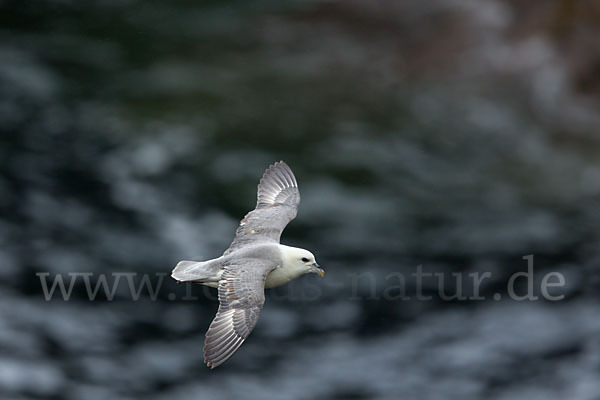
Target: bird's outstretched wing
[
  {"x": 241, "y": 297},
  {"x": 277, "y": 204}
]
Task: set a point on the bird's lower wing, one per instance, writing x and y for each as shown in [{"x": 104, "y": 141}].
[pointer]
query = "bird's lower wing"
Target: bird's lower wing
[{"x": 241, "y": 297}]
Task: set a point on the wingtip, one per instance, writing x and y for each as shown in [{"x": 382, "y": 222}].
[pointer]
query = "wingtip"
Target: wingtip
[
  {"x": 276, "y": 178},
  {"x": 211, "y": 364},
  {"x": 276, "y": 163},
  {"x": 283, "y": 171}
]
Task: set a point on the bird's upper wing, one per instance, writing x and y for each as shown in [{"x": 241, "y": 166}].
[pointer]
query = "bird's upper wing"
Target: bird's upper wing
[
  {"x": 241, "y": 297},
  {"x": 277, "y": 204}
]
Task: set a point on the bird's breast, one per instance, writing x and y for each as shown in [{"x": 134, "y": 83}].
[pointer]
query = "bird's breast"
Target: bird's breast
[{"x": 280, "y": 276}]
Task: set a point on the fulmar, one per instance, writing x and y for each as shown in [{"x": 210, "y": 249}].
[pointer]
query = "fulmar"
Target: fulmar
[{"x": 255, "y": 260}]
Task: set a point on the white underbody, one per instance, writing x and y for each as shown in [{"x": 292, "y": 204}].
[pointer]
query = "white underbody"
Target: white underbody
[
  {"x": 286, "y": 271},
  {"x": 277, "y": 277}
]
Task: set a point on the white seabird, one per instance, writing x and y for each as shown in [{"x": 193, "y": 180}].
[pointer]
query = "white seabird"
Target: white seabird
[{"x": 255, "y": 260}]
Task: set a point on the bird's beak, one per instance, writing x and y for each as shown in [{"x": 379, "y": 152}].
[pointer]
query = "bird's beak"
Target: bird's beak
[{"x": 316, "y": 269}]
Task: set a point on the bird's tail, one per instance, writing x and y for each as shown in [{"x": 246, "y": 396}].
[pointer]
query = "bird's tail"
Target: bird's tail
[
  {"x": 195, "y": 271},
  {"x": 186, "y": 270}
]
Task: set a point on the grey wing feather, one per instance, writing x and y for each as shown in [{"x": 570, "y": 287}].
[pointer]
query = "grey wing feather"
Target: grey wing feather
[
  {"x": 277, "y": 203},
  {"x": 241, "y": 298}
]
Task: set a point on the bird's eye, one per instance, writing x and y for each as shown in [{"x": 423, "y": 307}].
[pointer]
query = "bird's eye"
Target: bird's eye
[{"x": 304, "y": 259}]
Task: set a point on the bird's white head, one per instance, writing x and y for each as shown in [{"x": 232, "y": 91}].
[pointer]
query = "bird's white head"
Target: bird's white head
[{"x": 298, "y": 259}]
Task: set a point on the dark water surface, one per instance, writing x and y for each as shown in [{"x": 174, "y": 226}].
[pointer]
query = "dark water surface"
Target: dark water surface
[{"x": 459, "y": 136}]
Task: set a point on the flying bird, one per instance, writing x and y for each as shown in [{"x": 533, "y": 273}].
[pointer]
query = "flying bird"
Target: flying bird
[{"x": 255, "y": 260}]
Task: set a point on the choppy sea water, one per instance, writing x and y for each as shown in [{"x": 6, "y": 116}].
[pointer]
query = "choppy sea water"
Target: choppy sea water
[{"x": 456, "y": 137}]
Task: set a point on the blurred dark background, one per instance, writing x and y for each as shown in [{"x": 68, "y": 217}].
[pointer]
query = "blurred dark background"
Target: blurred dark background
[{"x": 460, "y": 136}]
